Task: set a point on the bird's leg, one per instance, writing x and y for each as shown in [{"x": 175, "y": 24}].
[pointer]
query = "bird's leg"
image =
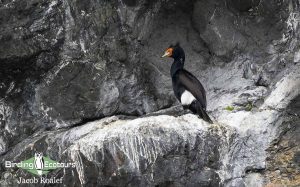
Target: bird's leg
[{"x": 186, "y": 109}]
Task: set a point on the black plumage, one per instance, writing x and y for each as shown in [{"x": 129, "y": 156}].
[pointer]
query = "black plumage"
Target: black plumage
[{"x": 187, "y": 88}]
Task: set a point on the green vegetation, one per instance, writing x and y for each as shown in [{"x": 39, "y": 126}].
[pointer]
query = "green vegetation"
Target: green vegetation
[
  {"x": 229, "y": 108},
  {"x": 249, "y": 107}
]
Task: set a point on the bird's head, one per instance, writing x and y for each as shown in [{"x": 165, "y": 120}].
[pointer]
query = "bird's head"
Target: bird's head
[{"x": 174, "y": 51}]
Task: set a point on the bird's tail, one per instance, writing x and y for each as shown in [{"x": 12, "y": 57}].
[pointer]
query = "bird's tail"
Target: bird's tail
[
  {"x": 203, "y": 114},
  {"x": 206, "y": 117}
]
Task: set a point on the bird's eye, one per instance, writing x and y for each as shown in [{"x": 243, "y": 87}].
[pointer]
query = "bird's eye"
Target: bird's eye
[{"x": 170, "y": 51}]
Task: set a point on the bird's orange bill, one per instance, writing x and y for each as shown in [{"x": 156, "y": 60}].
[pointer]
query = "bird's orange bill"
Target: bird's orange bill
[{"x": 168, "y": 52}]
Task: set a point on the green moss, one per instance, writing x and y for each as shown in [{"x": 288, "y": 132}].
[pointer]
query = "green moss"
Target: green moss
[
  {"x": 249, "y": 107},
  {"x": 229, "y": 108}
]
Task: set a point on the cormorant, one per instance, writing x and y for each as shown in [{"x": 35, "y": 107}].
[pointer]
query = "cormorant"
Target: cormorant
[{"x": 187, "y": 88}]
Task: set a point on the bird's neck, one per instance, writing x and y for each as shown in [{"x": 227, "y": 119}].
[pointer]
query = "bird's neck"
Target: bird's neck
[{"x": 177, "y": 65}]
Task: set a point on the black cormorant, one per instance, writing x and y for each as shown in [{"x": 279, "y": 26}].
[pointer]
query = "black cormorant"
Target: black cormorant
[{"x": 187, "y": 88}]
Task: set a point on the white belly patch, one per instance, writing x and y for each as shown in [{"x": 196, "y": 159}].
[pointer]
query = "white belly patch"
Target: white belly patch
[{"x": 187, "y": 98}]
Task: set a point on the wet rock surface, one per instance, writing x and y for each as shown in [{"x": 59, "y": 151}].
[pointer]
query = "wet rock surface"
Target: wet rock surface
[{"x": 64, "y": 64}]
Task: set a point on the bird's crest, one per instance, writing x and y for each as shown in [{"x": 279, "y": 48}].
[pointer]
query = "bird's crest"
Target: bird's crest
[{"x": 176, "y": 45}]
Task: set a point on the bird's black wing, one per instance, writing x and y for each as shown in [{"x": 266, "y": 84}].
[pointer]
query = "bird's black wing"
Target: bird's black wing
[{"x": 193, "y": 85}]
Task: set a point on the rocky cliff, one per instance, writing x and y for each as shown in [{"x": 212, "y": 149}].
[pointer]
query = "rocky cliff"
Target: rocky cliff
[{"x": 83, "y": 82}]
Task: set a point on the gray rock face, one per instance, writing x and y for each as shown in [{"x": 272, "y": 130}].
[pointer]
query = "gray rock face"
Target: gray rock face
[
  {"x": 140, "y": 152},
  {"x": 65, "y": 63}
]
